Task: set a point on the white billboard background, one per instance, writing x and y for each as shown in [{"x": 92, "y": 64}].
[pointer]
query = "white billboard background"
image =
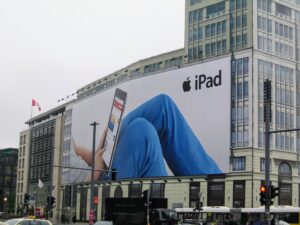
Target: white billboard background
[{"x": 207, "y": 110}]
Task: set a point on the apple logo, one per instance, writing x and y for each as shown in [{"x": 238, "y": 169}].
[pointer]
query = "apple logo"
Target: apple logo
[{"x": 186, "y": 85}]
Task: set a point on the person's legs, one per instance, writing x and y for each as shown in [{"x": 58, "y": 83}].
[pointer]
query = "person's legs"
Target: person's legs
[
  {"x": 138, "y": 152},
  {"x": 181, "y": 148}
]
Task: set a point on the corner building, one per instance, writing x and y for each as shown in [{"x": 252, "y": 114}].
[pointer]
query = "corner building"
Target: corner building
[
  {"x": 269, "y": 32},
  {"x": 261, "y": 37}
]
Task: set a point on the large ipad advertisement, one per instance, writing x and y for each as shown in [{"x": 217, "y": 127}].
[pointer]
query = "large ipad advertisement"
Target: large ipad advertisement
[{"x": 172, "y": 123}]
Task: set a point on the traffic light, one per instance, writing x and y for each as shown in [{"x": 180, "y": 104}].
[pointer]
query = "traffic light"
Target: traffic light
[
  {"x": 26, "y": 199},
  {"x": 113, "y": 174},
  {"x": 52, "y": 201},
  {"x": 263, "y": 193},
  {"x": 198, "y": 205},
  {"x": 274, "y": 191}
]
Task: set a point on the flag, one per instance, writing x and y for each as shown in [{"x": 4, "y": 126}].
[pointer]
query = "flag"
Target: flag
[
  {"x": 40, "y": 184},
  {"x": 35, "y": 103}
]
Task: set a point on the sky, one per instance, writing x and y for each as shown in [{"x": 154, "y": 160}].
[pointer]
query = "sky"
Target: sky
[{"x": 51, "y": 48}]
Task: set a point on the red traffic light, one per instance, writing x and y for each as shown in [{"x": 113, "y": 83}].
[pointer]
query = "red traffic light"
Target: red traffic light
[{"x": 263, "y": 189}]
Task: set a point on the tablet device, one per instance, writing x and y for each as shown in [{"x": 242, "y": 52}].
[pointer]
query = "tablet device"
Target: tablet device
[{"x": 113, "y": 127}]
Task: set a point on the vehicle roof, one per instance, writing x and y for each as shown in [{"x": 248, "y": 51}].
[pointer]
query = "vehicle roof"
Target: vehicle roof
[{"x": 273, "y": 209}]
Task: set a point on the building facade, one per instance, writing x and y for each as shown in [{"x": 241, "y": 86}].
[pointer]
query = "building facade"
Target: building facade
[
  {"x": 22, "y": 170},
  {"x": 262, "y": 39},
  {"x": 39, "y": 169},
  {"x": 8, "y": 177}
]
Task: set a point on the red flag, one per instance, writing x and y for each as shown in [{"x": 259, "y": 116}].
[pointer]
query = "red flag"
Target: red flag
[{"x": 35, "y": 103}]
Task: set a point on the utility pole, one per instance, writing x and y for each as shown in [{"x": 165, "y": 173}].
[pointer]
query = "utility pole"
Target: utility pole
[
  {"x": 91, "y": 215},
  {"x": 267, "y": 118}
]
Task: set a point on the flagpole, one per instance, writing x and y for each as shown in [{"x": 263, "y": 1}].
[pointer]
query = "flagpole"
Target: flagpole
[{"x": 31, "y": 111}]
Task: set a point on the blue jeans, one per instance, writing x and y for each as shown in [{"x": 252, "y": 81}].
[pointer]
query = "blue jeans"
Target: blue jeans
[{"x": 154, "y": 131}]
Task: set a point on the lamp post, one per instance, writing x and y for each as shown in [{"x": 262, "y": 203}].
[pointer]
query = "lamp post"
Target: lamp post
[
  {"x": 91, "y": 215},
  {"x": 5, "y": 204}
]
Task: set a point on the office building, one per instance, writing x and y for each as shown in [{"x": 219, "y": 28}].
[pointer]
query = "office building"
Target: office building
[
  {"x": 261, "y": 39},
  {"x": 8, "y": 176}
]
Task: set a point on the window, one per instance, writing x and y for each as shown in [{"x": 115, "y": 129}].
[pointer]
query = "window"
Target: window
[
  {"x": 194, "y": 193},
  {"x": 238, "y": 163},
  {"x": 207, "y": 31},
  {"x": 216, "y": 8},
  {"x": 285, "y": 169},
  {"x": 283, "y": 10},
  {"x": 157, "y": 190}
]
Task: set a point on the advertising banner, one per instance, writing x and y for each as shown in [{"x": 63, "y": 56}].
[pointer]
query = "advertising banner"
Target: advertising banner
[{"x": 173, "y": 123}]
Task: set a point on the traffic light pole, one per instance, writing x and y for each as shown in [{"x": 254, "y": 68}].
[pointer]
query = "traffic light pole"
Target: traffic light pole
[{"x": 267, "y": 108}]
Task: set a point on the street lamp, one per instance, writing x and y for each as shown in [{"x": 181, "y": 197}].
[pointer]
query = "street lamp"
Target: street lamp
[{"x": 5, "y": 203}]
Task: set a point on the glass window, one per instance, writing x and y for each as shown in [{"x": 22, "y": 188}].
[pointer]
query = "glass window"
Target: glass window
[
  {"x": 195, "y": 16},
  {"x": 219, "y": 28},
  {"x": 244, "y": 21},
  {"x": 215, "y": 8},
  {"x": 207, "y": 49},
  {"x": 232, "y": 5},
  {"x": 238, "y": 4},
  {"x": 244, "y": 40},
  {"x": 238, "y": 41},
  {"x": 238, "y": 163},
  {"x": 213, "y": 48},
  {"x": 224, "y": 26},
  {"x": 239, "y": 66},
  {"x": 199, "y": 33},
  {"x": 224, "y": 45},
  {"x": 245, "y": 65},
  {"x": 207, "y": 31},
  {"x": 219, "y": 46},
  {"x": 245, "y": 90},
  {"x": 239, "y": 21},
  {"x": 213, "y": 29}
]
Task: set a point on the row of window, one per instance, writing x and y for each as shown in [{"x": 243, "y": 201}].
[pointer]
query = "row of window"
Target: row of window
[
  {"x": 237, "y": 4},
  {"x": 195, "y": 16},
  {"x": 264, "y": 44},
  {"x": 7, "y": 169},
  {"x": 67, "y": 130},
  {"x": 264, "y": 5},
  {"x": 21, "y": 151},
  {"x": 239, "y": 164},
  {"x": 40, "y": 172},
  {"x": 264, "y": 24},
  {"x": 240, "y": 138},
  {"x": 238, "y": 22},
  {"x": 7, "y": 181},
  {"x": 284, "y": 50},
  {"x": 23, "y": 139},
  {"x": 214, "y": 48},
  {"x": 152, "y": 67},
  {"x": 43, "y": 130},
  {"x": 284, "y": 31},
  {"x": 240, "y": 67},
  {"x": 21, "y": 163},
  {"x": 68, "y": 115},
  {"x": 215, "y": 29},
  {"x": 40, "y": 159},
  {"x": 284, "y": 142},
  {"x": 239, "y": 91},
  {"x": 174, "y": 62},
  {"x": 283, "y": 10},
  {"x": 284, "y": 96},
  {"x": 239, "y": 41}
]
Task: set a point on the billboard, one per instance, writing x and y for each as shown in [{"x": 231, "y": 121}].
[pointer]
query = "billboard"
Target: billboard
[{"x": 173, "y": 123}]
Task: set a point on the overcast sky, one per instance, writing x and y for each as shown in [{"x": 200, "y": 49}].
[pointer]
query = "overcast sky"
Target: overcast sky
[{"x": 51, "y": 48}]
